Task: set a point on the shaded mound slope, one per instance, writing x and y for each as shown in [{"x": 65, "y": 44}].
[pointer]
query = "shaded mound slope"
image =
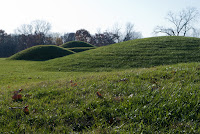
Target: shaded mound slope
[
  {"x": 146, "y": 52},
  {"x": 80, "y": 49},
  {"x": 78, "y": 46},
  {"x": 41, "y": 53}
]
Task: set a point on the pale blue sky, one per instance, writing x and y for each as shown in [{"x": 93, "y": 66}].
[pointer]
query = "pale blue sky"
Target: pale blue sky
[{"x": 71, "y": 15}]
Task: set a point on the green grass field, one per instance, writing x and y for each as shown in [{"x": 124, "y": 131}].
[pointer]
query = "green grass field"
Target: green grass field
[{"x": 146, "y": 92}]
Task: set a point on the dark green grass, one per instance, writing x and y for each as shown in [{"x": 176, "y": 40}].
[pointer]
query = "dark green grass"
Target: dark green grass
[
  {"x": 138, "y": 53},
  {"x": 41, "y": 53},
  {"x": 163, "y": 99},
  {"x": 74, "y": 44},
  {"x": 80, "y": 49}
]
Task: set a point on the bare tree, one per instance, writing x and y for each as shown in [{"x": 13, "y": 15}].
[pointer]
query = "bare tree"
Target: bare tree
[
  {"x": 125, "y": 34},
  {"x": 68, "y": 37},
  {"x": 35, "y": 33},
  {"x": 130, "y": 33},
  {"x": 41, "y": 26},
  {"x": 116, "y": 30},
  {"x": 35, "y": 27},
  {"x": 181, "y": 23},
  {"x": 56, "y": 38},
  {"x": 25, "y": 29},
  {"x": 195, "y": 33}
]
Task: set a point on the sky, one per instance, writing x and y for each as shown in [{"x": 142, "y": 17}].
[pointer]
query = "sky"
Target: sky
[{"x": 92, "y": 15}]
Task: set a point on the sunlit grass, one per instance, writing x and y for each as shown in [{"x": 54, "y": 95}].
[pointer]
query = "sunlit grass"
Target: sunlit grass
[
  {"x": 160, "y": 99},
  {"x": 148, "y": 52}
]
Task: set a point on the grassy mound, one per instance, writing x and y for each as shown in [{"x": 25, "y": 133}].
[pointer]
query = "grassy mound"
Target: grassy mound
[
  {"x": 74, "y": 44},
  {"x": 41, "y": 53},
  {"x": 146, "y": 52},
  {"x": 78, "y": 46}
]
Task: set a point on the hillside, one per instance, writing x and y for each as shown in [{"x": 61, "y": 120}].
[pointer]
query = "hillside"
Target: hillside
[
  {"x": 162, "y": 99},
  {"x": 138, "y": 53},
  {"x": 41, "y": 53}
]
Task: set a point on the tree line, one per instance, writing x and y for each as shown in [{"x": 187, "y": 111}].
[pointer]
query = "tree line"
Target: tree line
[
  {"x": 181, "y": 23},
  {"x": 38, "y": 32}
]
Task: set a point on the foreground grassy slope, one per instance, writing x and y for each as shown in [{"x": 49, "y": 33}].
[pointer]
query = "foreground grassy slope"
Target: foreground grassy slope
[
  {"x": 162, "y": 99},
  {"x": 41, "y": 53},
  {"x": 136, "y": 53}
]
